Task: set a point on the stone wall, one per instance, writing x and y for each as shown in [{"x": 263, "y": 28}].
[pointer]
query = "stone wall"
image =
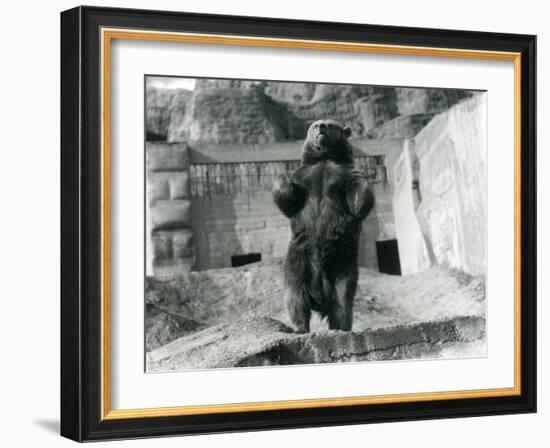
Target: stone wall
[
  {"x": 236, "y": 221},
  {"x": 379, "y": 225},
  {"x": 238, "y": 218},
  {"x": 228, "y": 225},
  {"x": 169, "y": 239}
]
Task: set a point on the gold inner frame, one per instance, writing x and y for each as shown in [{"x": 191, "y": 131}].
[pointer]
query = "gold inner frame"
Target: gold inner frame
[{"x": 107, "y": 35}]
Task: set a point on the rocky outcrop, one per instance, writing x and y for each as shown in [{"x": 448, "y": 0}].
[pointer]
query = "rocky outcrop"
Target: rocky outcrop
[
  {"x": 163, "y": 107},
  {"x": 242, "y": 114},
  {"x": 205, "y": 84},
  {"x": 257, "y": 112},
  {"x": 360, "y": 107},
  {"x": 405, "y": 126},
  {"x": 291, "y": 92},
  {"x": 427, "y": 101}
]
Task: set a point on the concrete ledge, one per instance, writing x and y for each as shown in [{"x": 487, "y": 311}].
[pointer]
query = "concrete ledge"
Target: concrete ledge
[
  {"x": 265, "y": 342},
  {"x": 171, "y": 214},
  {"x": 167, "y": 156}
]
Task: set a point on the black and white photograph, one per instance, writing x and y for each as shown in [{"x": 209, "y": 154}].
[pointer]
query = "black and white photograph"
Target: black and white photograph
[
  {"x": 275, "y": 224},
  {"x": 294, "y": 223}
]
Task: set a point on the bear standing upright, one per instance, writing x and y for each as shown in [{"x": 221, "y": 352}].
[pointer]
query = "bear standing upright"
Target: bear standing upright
[{"x": 326, "y": 200}]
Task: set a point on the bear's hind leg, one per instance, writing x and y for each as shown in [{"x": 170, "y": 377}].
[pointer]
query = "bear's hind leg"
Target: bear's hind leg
[
  {"x": 298, "y": 310},
  {"x": 340, "y": 315}
]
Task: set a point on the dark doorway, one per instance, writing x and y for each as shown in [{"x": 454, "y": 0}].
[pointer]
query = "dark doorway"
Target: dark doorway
[
  {"x": 388, "y": 257},
  {"x": 241, "y": 260}
]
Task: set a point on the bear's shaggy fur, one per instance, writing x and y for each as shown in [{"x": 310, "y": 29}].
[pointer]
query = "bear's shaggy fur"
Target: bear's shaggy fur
[{"x": 326, "y": 200}]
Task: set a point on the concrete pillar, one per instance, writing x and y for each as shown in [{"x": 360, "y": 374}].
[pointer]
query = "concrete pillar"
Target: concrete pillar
[
  {"x": 413, "y": 251},
  {"x": 169, "y": 239}
]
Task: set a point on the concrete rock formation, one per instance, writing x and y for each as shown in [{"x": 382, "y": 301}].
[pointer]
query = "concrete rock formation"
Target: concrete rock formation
[
  {"x": 403, "y": 126},
  {"x": 411, "y": 101},
  {"x": 291, "y": 92},
  {"x": 452, "y": 152},
  {"x": 414, "y": 255},
  {"x": 237, "y": 112},
  {"x": 242, "y": 320},
  {"x": 225, "y": 112},
  {"x": 267, "y": 342},
  {"x": 163, "y": 107},
  {"x": 447, "y": 224}
]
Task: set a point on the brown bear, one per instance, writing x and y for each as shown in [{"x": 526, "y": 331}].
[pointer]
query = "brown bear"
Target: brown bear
[{"x": 326, "y": 200}]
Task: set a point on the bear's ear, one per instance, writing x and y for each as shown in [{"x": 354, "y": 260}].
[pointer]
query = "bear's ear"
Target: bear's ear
[{"x": 347, "y": 132}]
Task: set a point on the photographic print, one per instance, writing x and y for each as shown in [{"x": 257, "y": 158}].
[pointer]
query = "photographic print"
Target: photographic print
[
  {"x": 302, "y": 223},
  {"x": 335, "y": 210}
]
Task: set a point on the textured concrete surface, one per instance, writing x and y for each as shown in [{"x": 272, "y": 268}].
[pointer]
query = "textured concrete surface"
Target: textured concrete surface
[
  {"x": 452, "y": 152},
  {"x": 163, "y": 107},
  {"x": 264, "y": 341},
  {"x": 169, "y": 238},
  {"x": 413, "y": 246},
  {"x": 440, "y": 191},
  {"x": 228, "y": 225},
  {"x": 245, "y": 112},
  {"x": 403, "y": 126},
  {"x": 231, "y": 317}
]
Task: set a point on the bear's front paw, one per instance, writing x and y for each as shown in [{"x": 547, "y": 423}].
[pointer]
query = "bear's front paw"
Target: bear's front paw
[
  {"x": 288, "y": 196},
  {"x": 280, "y": 183},
  {"x": 358, "y": 176},
  {"x": 360, "y": 199}
]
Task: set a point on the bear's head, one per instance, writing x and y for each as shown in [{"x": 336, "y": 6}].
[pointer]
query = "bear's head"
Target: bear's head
[{"x": 327, "y": 140}]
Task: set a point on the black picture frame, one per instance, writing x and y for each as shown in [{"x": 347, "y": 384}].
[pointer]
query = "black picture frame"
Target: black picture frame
[{"x": 81, "y": 224}]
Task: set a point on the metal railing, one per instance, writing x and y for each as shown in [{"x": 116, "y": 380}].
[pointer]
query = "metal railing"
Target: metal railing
[{"x": 231, "y": 178}]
